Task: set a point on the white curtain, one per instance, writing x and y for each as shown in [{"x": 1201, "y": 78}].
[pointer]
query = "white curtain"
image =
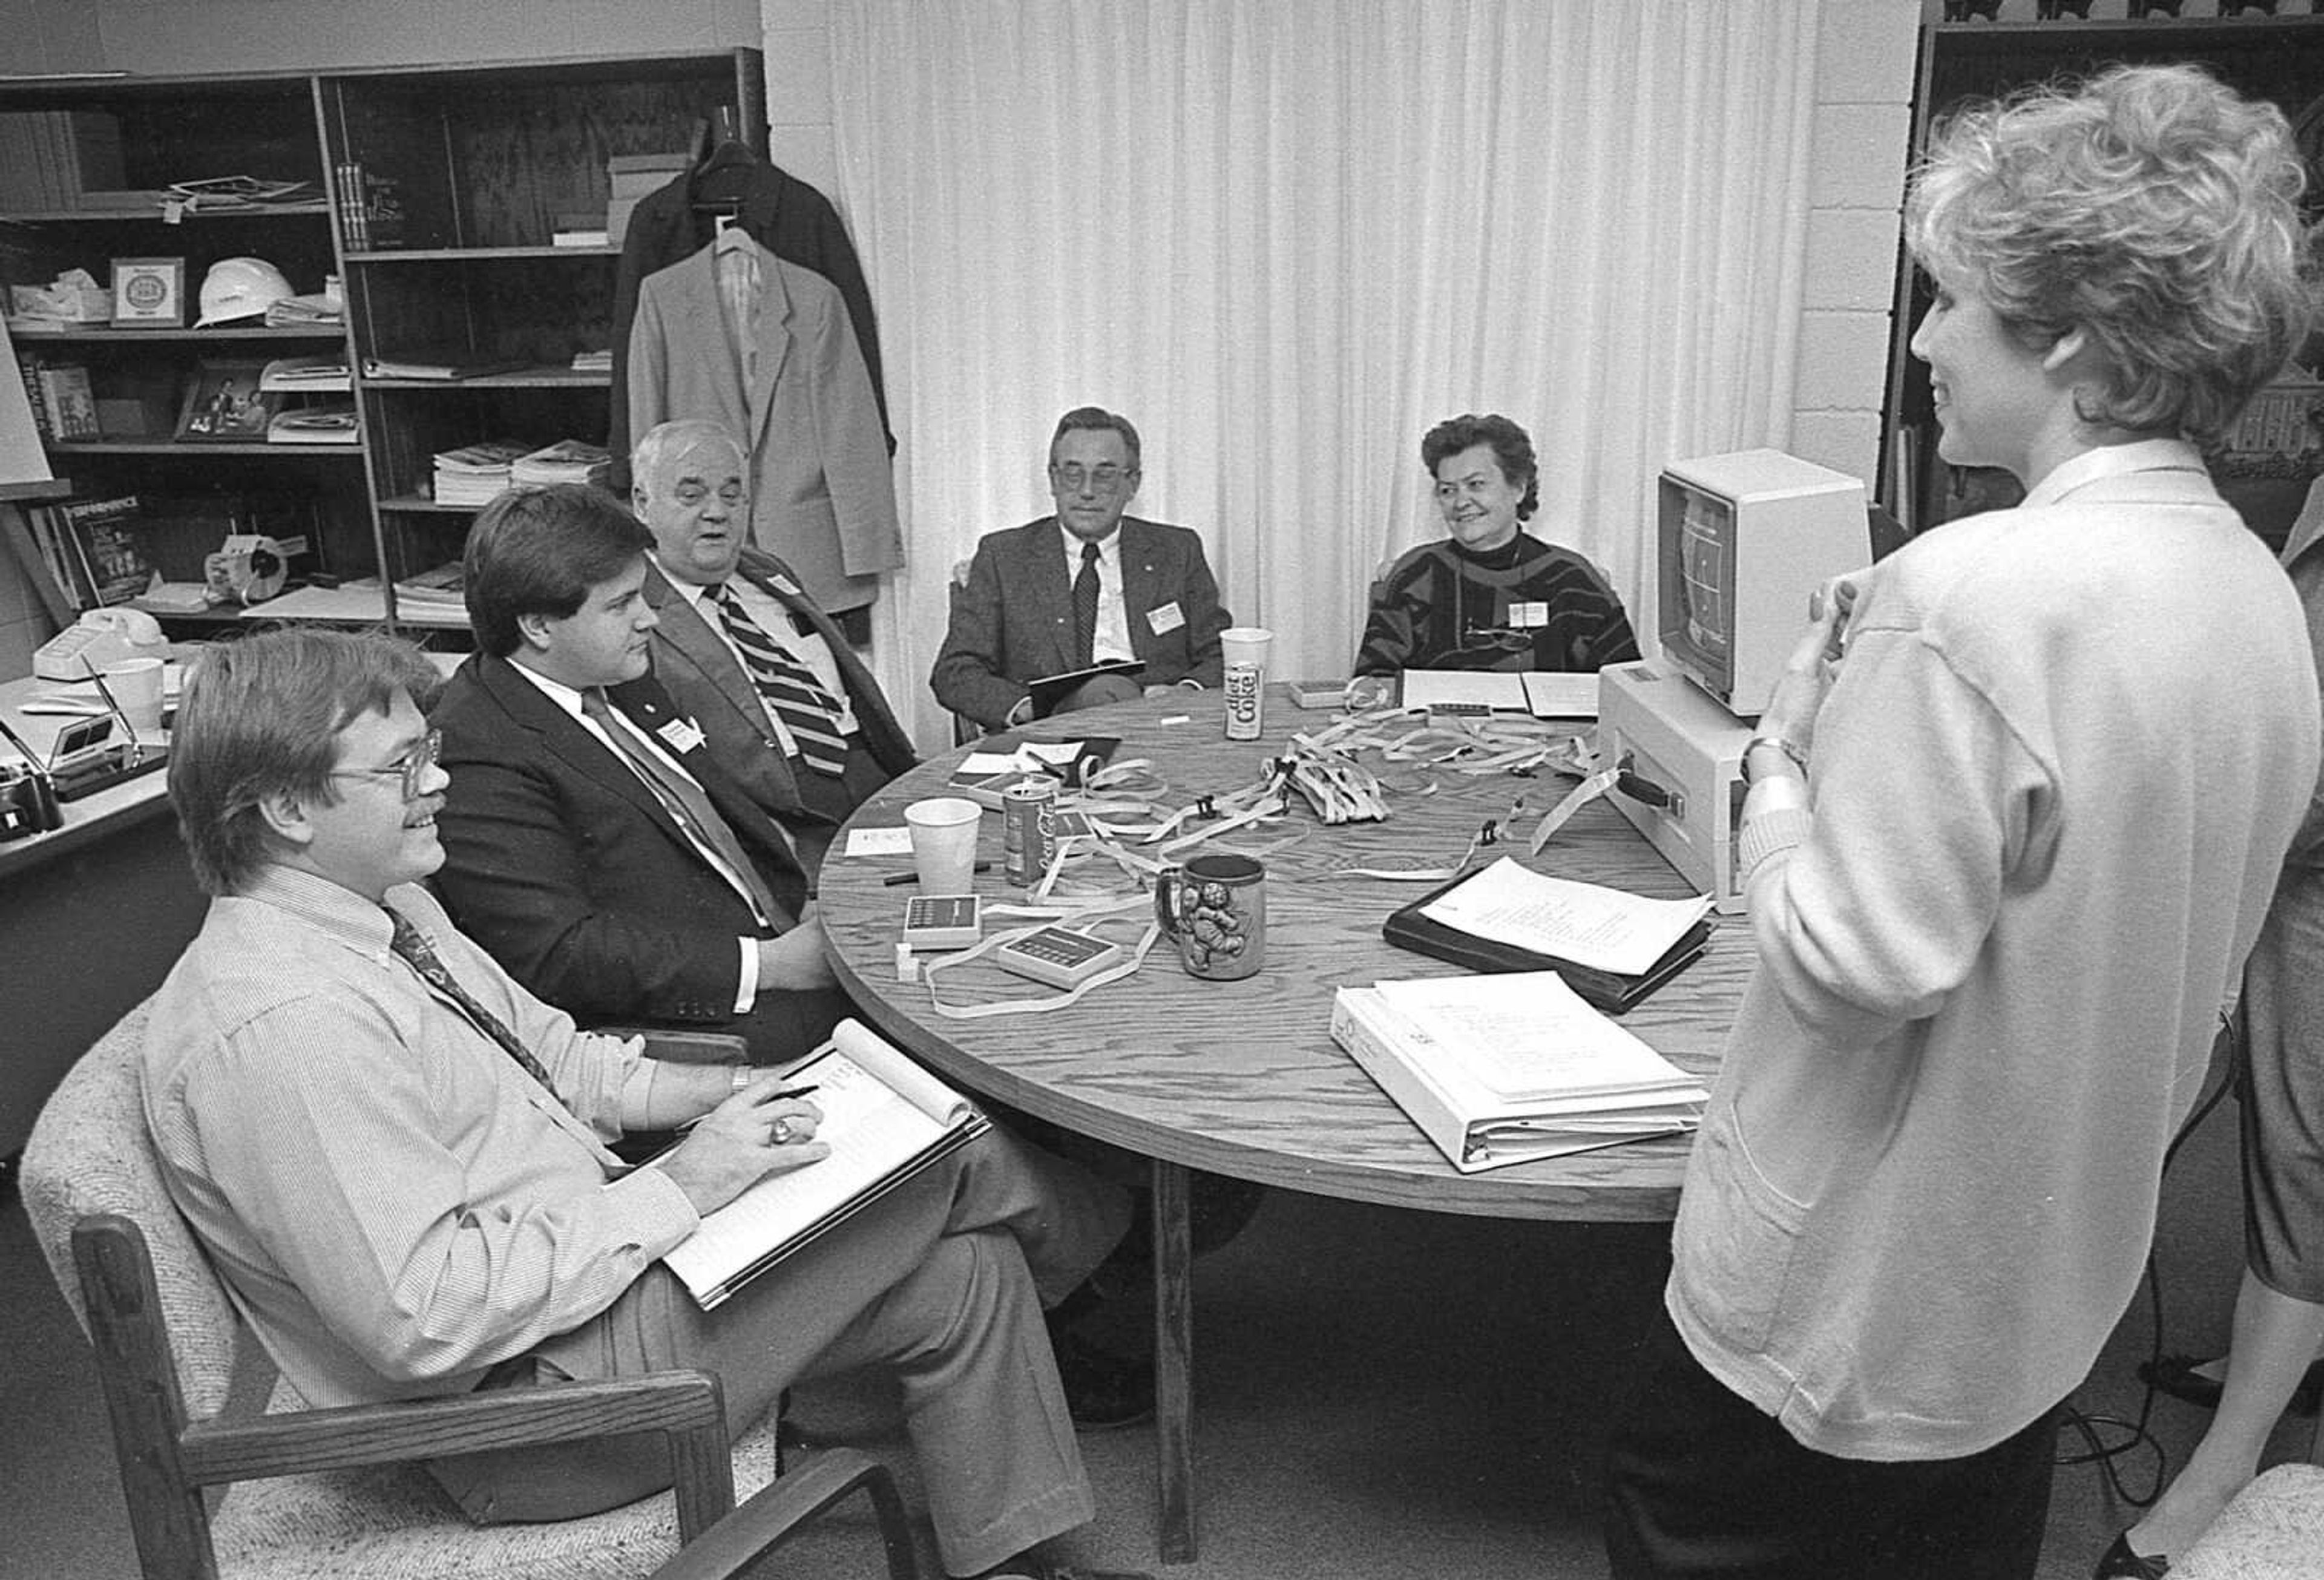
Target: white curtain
[{"x": 1284, "y": 237}]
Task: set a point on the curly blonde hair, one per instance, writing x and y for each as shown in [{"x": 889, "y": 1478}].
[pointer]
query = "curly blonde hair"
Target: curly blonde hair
[{"x": 2154, "y": 210}]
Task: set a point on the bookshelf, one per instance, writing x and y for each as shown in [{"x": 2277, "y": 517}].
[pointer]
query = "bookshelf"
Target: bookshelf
[
  {"x": 444, "y": 241},
  {"x": 2266, "y": 468}
]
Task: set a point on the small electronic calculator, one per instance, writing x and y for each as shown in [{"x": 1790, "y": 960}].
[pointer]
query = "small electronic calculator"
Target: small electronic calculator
[
  {"x": 942, "y": 922},
  {"x": 1059, "y": 958}
]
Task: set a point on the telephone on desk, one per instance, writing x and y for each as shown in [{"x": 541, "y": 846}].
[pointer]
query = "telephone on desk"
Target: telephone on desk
[{"x": 100, "y": 637}]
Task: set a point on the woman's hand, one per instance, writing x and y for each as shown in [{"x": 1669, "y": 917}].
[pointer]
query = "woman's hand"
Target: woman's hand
[{"x": 1813, "y": 664}]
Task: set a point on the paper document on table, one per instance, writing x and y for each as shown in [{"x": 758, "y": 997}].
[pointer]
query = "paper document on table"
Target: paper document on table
[
  {"x": 1526, "y": 1035},
  {"x": 1585, "y": 922},
  {"x": 889, "y": 842},
  {"x": 1464, "y": 688},
  {"x": 884, "y": 1119},
  {"x": 1556, "y": 693}
]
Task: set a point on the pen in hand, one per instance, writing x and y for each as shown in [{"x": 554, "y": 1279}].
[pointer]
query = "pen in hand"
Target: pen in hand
[{"x": 796, "y": 1091}]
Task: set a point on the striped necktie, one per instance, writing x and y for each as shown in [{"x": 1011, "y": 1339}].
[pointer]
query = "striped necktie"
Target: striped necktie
[
  {"x": 686, "y": 802},
  {"x": 1085, "y": 609},
  {"x": 414, "y": 951},
  {"x": 809, "y": 712}
]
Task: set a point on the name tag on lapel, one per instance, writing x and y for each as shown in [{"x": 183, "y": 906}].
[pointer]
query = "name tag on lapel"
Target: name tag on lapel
[
  {"x": 1162, "y": 622},
  {"x": 680, "y": 735},
  {"x": 784, "y": 586},
  {"x": 1528, "y": 616}
]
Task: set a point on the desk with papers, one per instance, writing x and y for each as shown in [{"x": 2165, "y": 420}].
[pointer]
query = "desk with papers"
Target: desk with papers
[{"x": 1243, "y": 1077}]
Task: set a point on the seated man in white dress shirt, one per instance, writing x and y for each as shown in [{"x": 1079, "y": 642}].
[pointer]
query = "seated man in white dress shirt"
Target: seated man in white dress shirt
[
  {"x": 1073, "y": 589},
  {"x": 783, "y": 702},
  {"x": 396, "y": 1155}
]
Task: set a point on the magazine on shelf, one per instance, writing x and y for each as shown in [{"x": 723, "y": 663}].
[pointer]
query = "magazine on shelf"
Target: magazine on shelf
[
  {"x": 885, "y": 1120},
  {"x": 326, "y": 423},
  {"x": 438, "y": 584}
]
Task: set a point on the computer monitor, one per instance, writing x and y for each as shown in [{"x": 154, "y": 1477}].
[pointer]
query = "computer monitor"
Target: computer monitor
[{"x": 1742, "y": 539}]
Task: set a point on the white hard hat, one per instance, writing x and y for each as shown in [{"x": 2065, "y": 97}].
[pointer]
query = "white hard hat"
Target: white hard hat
[{"x": 240, "y": 287}]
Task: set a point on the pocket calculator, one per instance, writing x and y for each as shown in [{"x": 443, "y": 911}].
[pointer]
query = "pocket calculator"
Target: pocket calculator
[
  {"x": 942, "y": 922},
  {"x": 1059, "y": 958}
]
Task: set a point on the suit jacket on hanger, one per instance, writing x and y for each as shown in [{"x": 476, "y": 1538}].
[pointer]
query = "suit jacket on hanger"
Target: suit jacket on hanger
[
  {"x": 693, "y": 663},
  {"x": 822, "y": 494},
  {"x": 1014, "y": 620},
  {"x": 782, "y": 214},
  {"x": 563, "y": 864}
]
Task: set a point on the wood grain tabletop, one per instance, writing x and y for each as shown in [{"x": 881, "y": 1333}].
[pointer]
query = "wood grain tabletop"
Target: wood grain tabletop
[{"x": 1243, "y": 1077}]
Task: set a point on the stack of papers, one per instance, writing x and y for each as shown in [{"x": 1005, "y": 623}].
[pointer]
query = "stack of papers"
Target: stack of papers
[
  {"x": 293, "y": 374},
  {"x": 331, "y": 422},
  {"x": 1499, "y": 1069},
  {"x": 594, "y": 362},
  {"x": 474, "y": 473},
  {"x": 566, "y": 460},
  {"x": 1542, "y": 693},
  {"x": 322, "y": 308},
  {"x": 438, "y": 587}
]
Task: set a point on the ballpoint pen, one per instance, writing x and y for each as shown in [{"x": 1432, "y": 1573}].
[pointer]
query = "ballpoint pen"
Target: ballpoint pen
[
  {"x": 893, "y": 878},
  {"x": 796, "y": 1091}
]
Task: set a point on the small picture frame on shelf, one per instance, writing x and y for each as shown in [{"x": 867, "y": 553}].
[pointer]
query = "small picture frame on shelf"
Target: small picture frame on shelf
[
  {"x": 223, "y": 403},
  {"x": 149, "y": 293}
]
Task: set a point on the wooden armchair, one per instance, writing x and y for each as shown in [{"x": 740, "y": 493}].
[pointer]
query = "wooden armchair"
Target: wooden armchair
[{"x": 334, "y": 1492}]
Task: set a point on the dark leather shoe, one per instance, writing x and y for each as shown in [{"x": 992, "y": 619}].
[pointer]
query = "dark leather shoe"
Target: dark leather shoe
[
  {"x": 2176, "y": 1375},
  {"x": 2119, "y": 1563},
  {"x": 1102, "y": 1389}
]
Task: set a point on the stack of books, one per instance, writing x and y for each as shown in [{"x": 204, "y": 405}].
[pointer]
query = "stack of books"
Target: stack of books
[
  {"x": 473, "y": 473},
  {"x": 436, "y": 588},
  {"x": 315, "y": 309},
  {"x": 90, "y": 549},
  {"x": 566, "y": 460},
  {"x": 292, "y": 375},
  {"x": 1506, "y": 1069}
]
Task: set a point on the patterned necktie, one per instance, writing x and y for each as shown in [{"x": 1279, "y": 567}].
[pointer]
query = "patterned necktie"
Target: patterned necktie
[
  {"x": 685, "y": 802},
  {"x": 808, "y": 711},
  {"x": 413, "y": 950},
  {"x": 1085, "y": 609}
]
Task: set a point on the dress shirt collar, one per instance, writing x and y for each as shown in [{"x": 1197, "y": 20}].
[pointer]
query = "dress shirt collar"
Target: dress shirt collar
[
  {"x": 1108, "y": 552},
  {"x": 328, "y": 908},
  {"x": 2113, "y": 461},
  {"x": 565, "y": 696}
]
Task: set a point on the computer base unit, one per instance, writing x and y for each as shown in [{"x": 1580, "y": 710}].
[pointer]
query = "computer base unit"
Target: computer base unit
[{"x": 1677, "y": 739}]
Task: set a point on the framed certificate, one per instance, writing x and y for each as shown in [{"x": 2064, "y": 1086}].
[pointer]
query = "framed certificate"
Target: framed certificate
[{"x": 149, "y": 293}]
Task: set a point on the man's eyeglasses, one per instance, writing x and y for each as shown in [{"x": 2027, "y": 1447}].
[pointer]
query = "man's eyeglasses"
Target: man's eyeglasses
[
  {"x": 1102, "y": 479},
  {"x": 411, "y": 767}
]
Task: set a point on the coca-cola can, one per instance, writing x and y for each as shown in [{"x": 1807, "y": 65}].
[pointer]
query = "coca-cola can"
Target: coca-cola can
[
  {"x": 1025, "y": 833},
  {"x": 1243, "y": 702}
]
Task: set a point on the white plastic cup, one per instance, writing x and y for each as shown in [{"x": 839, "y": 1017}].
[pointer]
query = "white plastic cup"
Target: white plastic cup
[
  {"x": 136, "y": 685},
  {"x": 1245, "y": 645},
  {"x": 944, "y": 843}
]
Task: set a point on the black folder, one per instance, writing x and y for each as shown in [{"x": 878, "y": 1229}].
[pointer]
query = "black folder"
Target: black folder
[{"x": 1610, "y": 991}]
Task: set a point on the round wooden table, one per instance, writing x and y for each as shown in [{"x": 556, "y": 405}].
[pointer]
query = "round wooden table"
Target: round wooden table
[{"x": 1243, "y": 1077}]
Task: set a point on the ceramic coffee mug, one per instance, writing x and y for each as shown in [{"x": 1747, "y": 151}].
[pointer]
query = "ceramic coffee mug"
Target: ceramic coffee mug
[{"x": 1214, "y": 908}]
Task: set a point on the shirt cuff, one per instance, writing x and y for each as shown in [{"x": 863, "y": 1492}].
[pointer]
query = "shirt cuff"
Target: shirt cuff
[
  {"x": 651, "y": 1210},
  {"x": 746, "y": 984}
]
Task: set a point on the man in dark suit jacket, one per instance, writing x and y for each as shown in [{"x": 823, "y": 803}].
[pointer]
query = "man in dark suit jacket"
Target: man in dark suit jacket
[
  {"x": 1019, "y": 618},
  {"x": 577, "y": 854},
  {"x": 690, "y": 488}
]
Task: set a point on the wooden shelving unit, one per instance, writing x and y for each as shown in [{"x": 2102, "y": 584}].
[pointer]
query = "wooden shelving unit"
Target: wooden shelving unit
[{"x": 481, "y": 159}]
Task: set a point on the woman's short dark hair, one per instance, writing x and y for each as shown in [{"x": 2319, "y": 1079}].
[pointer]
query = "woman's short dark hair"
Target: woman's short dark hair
[
  {"x": 1097, "y": 419},
  {"x": 2154, "y": 210},
  {"x": 1512, "y": 449},
  {"x": 539, "y": 551},
  {"x": 261, "y": 717}
]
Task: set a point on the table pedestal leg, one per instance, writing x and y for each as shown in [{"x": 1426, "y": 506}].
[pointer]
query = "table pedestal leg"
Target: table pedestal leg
[{"x": 1174, "y": 1354}]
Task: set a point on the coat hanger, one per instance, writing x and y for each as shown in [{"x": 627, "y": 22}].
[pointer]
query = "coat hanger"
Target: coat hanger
[{"x": 726, "y": 171}]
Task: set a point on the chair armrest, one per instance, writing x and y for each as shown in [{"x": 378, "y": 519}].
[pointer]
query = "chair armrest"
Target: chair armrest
[
  {"x": 685, "y": 1047},
  {"x": 738, "y": 1542}
]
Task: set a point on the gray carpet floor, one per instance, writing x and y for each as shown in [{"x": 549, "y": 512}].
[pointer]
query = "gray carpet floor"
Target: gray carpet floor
[{"x": 1378, "y": 1393}]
